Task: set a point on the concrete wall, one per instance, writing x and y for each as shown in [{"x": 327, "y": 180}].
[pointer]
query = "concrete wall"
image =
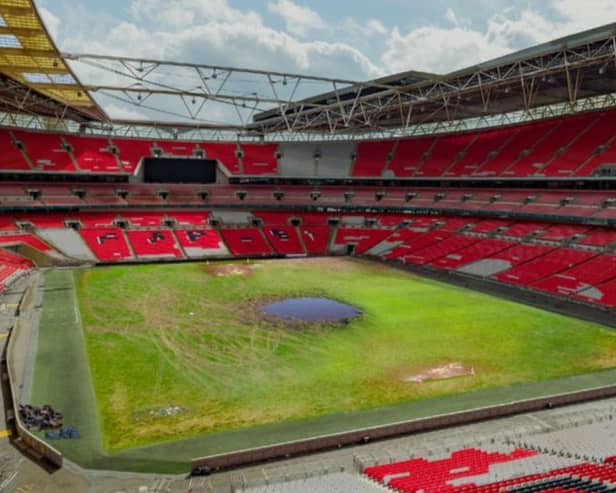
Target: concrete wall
[{"x": 357, "y": 437}]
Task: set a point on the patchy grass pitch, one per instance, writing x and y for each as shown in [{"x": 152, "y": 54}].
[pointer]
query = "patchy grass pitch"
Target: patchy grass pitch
[{"x": 176, "y": 350}]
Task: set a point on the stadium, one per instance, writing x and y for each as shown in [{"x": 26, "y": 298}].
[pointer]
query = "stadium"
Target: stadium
[{"x": 404, "y": 284}]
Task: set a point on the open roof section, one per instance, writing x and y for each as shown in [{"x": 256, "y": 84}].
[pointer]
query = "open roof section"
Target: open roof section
[
  {"x": 31, "y": 68},
  {"x": 565, "y": 70}
]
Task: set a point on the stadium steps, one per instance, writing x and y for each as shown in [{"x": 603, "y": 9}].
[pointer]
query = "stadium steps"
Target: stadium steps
[
  {"x": 178, "y": 243},
  {"x": 496, "y": 152},
  {"x": 570, "y": 144},
  {"x": 460, "y": 155},
  {"x": 594, "y": 156},
  {"x": 300, "y": 238},
  {"x": 13, "y": 158},
  {"x": 530, "y": 150},
  {"x": 128, "y": 243},
  {"x": 68, "y": 242},
  {"x": 267, "y": 240}
]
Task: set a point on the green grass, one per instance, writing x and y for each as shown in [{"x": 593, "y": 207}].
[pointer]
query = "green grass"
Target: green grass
[
  {"x": 172, "y": 335},
  {"x": 163, "y": 335}
]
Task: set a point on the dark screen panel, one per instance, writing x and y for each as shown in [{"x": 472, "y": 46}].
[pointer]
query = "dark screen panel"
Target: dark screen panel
[{"x": 175, "y": 170}]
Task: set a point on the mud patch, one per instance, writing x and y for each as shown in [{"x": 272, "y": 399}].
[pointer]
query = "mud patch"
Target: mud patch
[
  {"x": 444, "y": 372},
  {"x": 224, "y": 270}
]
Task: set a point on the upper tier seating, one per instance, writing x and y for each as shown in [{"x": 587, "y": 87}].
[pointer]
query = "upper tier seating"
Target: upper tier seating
[
  {"x": 482, "y": 149},
  {"x": 372, "y": 157},
  {"x": 556, "y": 138},
  {"x": 225, "y": 154},
  {"x": 259, "y": 159},
  {"x": 93, "y": 154},
  {"x": 444, "y": 153},
  {"x": 582, "y": 148},
  {"x": 408, "y": 156},
  {"x": 175, "y": 148},
  {"x": 571, "y": 146},
  {"x": 11, "y": 157},
  {"x": 131, "y": 152},
  {"x": 521, "y": 139},
  {"x": 47, "y": 152}
]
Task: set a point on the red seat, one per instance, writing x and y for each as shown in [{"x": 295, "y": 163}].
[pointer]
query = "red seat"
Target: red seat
[
  {"x": 107, "y": 244},
  {"x": 363, "y": 238},
  {"x": 284, "y": 239},
  {"x": 544, "y": 266},
  {"x": 46, "y": 151},
  {"x": 408, "y": 155},
  {"x": 132, "y": 151},
  {"x": 11, "y": 157},
  {"x": 93, "y": 154},
  {"x": 259, "y": 159},
  {"x": 157, "y": 243},
  {"x": 246, "y": 242},
  {"x": 372, "y": 157}
]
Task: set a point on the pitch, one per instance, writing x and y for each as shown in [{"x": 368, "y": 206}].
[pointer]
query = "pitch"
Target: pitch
[{"x": 179, "y": 350}]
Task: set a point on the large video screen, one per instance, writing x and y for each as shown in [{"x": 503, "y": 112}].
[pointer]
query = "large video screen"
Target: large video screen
[{"x": 173, "y": 170}]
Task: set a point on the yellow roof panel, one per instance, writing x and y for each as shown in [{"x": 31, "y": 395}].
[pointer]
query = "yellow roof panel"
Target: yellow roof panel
[
  {"x": 22, "y": 21},
  {"x": 29, "y": 55},
  {"x": 16, "y": 3}
]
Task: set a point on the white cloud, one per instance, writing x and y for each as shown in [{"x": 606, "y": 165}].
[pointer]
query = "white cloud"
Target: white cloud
[
  {"x": 584, "y": 14},
  {"x": 376, "y": 26},
  {"x": 188, "y": 12},
  {"x": 440, "y": 49},
  {"x": 451, "y": 17},
  {"x": 123, "y": 112},
  {"x": 215, "y": 33},
  {"x": 298, "y": 19},
  {"x": 436, "y": 49},
  {"x": 51, "y": 21}
]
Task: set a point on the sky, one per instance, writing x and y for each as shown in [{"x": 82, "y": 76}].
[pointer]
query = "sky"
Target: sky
[{"x": 356, "y": 40}]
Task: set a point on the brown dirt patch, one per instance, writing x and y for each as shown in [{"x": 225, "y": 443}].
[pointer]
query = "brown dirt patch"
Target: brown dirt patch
[
  {"x": 223, "y": 270},
  {"x": 443, "y": 372}
]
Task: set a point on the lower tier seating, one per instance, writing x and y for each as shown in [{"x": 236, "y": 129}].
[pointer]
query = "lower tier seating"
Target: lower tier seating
[
  {"x": 477, "y": 471},
  {"x": 515, "y": 253},
  {"x": 154, "y": 244},
  {"x": 246, "y": 242},
  {"x": 284, "y": 239},
  {"x": 107, "y": 244}
]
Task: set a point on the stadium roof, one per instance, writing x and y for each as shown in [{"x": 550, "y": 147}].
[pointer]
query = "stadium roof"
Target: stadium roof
[
  {"x": 33, "y": 76},
  {"x": 36, "y": 79},
  {"x": 562, "y": 71}
]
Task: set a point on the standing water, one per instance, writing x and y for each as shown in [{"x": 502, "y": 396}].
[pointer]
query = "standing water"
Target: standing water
[{"x": 311, "y": 309}]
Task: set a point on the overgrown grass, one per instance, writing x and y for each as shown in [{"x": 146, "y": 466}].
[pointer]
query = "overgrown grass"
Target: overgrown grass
[{"x": 173, "y": 335}]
